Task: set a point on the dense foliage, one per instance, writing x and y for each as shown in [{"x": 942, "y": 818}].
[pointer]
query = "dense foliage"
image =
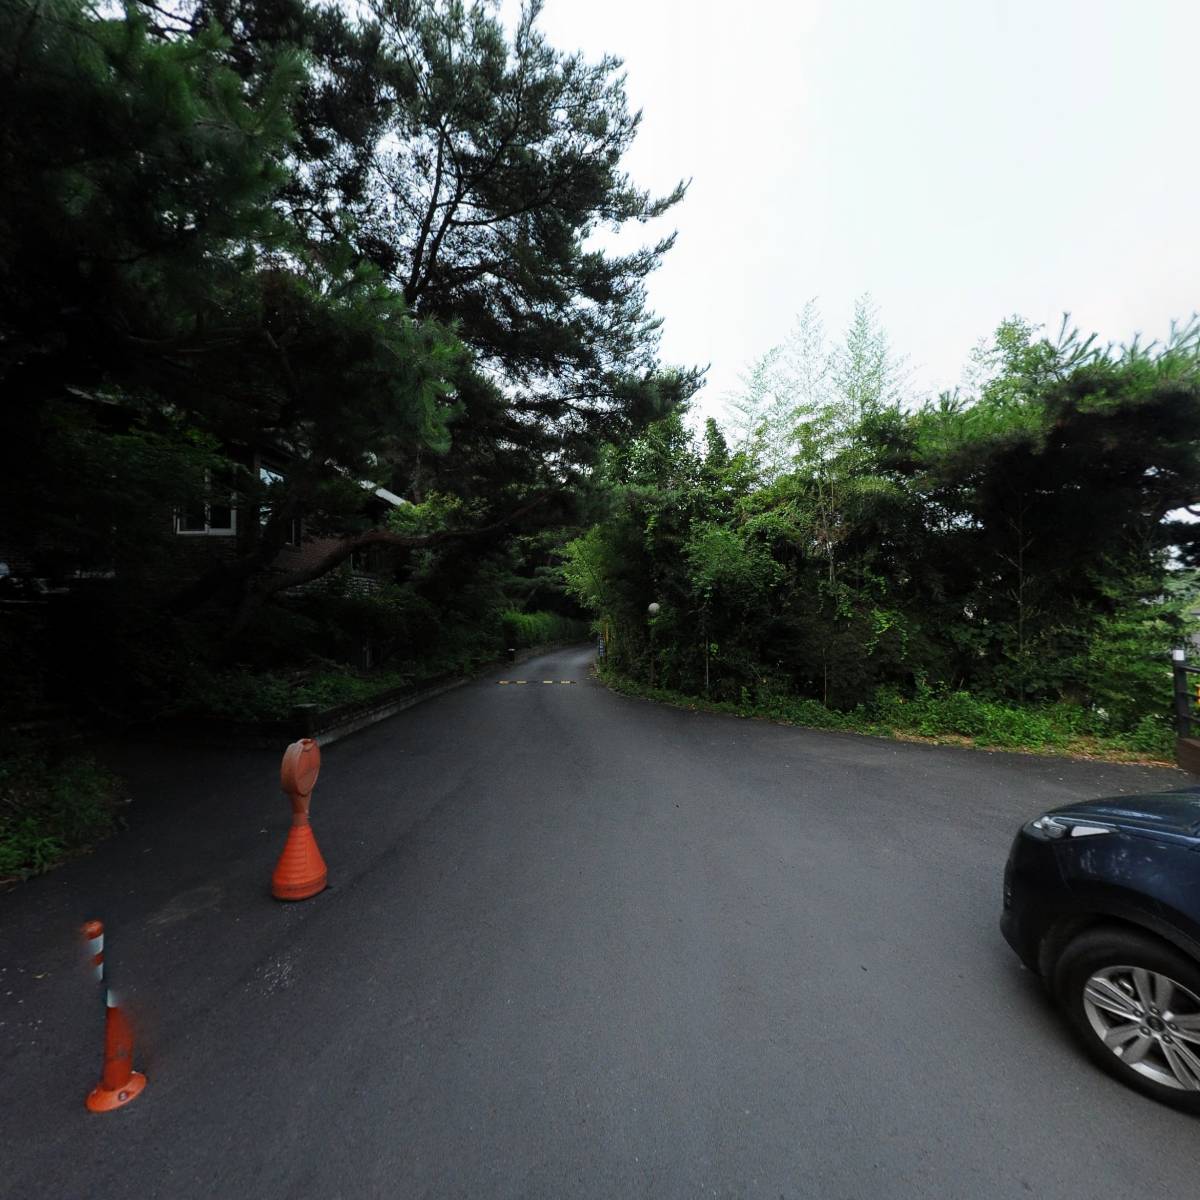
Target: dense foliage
[
  {"x": 352, "y": 244},
  {"x": 1014, "y": 545}
]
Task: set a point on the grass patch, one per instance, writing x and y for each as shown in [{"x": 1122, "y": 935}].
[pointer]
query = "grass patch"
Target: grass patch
[
  {"x": 52, "y": 806},
  {"x": 951, "y": 718}
]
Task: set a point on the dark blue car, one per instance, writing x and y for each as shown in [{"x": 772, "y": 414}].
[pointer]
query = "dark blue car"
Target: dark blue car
[{"x": 1102, "y": 899}]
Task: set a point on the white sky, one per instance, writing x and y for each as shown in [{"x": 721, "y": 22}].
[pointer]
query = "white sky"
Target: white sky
[{"x": 960, "y": 159}]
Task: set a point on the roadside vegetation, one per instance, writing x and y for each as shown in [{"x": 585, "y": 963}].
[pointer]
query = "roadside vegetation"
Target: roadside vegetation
[
  {"x": 52, "y": 805},
  {"x": 951, "y": 719},
  {"x": 1010, "y": 564},
  {"x": 241, "y": 694}
]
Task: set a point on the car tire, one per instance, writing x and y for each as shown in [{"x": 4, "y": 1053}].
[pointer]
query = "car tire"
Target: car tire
[{"x": 1131, "y": 996}]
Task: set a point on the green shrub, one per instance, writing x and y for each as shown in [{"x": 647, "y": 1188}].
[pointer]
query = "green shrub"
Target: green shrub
[
  {"x": 1152, "y": 735},
  {"x": 242, "y": 695},
  {"x": 331, "y": 689},
  {"x": 1016, "y": 728},
  {"x": 51, "y": 806}
]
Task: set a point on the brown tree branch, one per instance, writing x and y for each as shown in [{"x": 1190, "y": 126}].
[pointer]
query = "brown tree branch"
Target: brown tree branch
[
  {"x": 384, "y": 537},
  {"x": 434, "y": 203},
  {"x": 238, "y": 576}
]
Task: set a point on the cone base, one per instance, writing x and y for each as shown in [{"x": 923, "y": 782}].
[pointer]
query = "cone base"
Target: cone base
[
  {"x": 102, "y": 1099},
  {"x": 300, "y": 891},
  {"x": 300, "y": 872}
]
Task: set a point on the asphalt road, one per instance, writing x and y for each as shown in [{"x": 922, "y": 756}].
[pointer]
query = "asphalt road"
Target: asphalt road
[{"x": 576, "y": 945}]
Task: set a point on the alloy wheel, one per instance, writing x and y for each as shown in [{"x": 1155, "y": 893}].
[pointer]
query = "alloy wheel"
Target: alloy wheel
[{"x": 1149, "y": 1021}]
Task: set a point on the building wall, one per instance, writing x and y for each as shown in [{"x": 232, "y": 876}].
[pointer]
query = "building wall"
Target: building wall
[
  {"x": 355, "y": 580},
  {"x": 191, "y": 554}
]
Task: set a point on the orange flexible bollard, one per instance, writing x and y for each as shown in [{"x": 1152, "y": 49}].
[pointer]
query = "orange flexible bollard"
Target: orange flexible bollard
[
  {"x": 301, "y": 871},
  {"x": 119, "y": 1082}
]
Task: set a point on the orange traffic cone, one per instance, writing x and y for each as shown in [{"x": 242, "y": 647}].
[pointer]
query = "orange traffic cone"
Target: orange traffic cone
[
  {"x": 301, "y": 871},
  {"x": 119, "y": 1082}
]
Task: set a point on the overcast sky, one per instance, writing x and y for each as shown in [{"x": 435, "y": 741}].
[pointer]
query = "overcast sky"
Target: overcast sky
[{"x": 960, "y": 159}]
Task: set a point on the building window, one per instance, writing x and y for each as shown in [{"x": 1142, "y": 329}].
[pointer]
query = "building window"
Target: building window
[{"x": 200, "y": 518}]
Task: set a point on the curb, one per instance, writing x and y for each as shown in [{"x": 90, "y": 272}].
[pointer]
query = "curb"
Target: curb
[
  {"x": 324, "y": 727},
  {"x": 372, "y": 716}
]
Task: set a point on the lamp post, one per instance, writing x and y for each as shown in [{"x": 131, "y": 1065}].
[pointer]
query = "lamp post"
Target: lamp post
[
  {"x": 1183, "y": 701},
  {"x": 653, "y": 608}
]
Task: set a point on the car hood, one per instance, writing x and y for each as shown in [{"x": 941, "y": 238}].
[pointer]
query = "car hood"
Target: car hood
[{"x": 1175, "y": 813}]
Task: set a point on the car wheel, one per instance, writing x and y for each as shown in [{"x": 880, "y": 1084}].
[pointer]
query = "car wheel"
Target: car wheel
[{"x": 1135, "y": 1003}]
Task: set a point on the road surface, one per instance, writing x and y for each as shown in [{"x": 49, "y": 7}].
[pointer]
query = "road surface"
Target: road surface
[{"x": 577, "y": 945}]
